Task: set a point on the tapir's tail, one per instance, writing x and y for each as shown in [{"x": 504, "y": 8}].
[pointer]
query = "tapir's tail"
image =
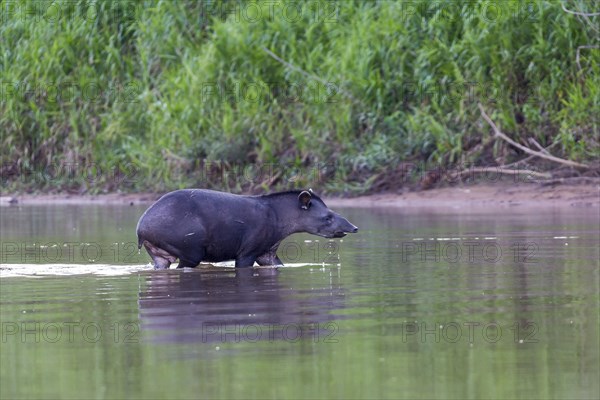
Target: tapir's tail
[
  {"x": 137, "y": 232},
  {"x": 140, "y": 240}
]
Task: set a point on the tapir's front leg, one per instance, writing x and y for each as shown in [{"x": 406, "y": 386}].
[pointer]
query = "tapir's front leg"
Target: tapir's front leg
[{"x": 244, "y": 261}]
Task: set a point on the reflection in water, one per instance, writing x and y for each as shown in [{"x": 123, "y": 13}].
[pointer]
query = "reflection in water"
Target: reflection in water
[{"x": 225, "y": 305}]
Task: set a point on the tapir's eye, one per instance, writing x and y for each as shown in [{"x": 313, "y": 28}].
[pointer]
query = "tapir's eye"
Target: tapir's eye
[{"x": 329, "y": 219}]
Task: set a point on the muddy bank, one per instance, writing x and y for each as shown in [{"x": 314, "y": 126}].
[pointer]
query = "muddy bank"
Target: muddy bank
[
  {"x": 484, "y": 196},
  {"x": 467, "y": 196}
]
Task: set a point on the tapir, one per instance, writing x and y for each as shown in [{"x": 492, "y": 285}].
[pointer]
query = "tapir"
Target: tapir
[{"x": 195, "y": 225}]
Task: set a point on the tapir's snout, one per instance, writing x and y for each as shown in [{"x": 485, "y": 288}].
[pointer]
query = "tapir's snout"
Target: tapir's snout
[
  {"x": 349, "y": 227},
  {"x": 346, "y": 228}
]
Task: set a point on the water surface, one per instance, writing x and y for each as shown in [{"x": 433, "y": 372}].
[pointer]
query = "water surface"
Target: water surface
[{"x": 421, "y": 303}]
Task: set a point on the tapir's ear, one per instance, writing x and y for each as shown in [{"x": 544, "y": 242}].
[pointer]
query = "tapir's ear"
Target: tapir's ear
[{"x": 304, "y": 199}]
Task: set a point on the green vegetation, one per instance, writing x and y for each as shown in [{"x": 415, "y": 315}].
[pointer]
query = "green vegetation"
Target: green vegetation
[{"x": 159, "y": 95}]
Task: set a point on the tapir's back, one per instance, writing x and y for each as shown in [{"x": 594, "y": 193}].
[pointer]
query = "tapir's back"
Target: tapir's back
[{"x": 185, "y": 211}]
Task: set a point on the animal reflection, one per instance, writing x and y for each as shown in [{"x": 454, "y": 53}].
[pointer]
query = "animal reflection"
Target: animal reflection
[{"x": 226, "y": 305}]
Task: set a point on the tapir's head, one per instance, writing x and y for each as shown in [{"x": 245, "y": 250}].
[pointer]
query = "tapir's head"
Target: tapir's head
[{"x": 318, "y": 219}]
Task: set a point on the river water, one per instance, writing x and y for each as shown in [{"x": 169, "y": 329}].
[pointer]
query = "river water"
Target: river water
[{"x": 421, "y": 303}]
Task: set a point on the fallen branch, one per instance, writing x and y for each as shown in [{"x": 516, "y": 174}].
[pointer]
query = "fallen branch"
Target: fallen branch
[
  {"x": 527, "y": 150},
  {"x": 500, "y": 170},
  {"x": 527, "y": 158},
  {"x": 572, "y": 180},
  {"x": 539, "y": 146}
]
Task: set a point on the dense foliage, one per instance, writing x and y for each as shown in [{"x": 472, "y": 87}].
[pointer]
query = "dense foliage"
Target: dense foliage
[{"x": 156, "y": 95}]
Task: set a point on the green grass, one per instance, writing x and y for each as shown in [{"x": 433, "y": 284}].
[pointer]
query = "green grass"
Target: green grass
[{"x": 158, "y": 95}]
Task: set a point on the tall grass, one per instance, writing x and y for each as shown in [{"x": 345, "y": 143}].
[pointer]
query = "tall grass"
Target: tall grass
[{"x": 158, "y": 95}]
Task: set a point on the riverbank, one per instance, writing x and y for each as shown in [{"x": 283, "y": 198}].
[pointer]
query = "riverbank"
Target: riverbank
[
  {"x": 251, "y": 103},
  {"x": 586, "y": 195}
]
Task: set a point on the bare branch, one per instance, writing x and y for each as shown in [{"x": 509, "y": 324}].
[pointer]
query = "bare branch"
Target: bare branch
[
  {"x": 527, "y": 150},
  {"x": 577, "y": 12},
  {"x": 303, "y": 72},
  {"x": 539, "y": 146},
  {"x": 501, "y": 170},
  {"x": 578, "y": 53},
  {"x": 572, "y": 180},
  {"x": 528, "y": 158}
]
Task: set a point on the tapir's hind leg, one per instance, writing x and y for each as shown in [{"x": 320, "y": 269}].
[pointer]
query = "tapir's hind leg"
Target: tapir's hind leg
[
  {"x": 192, "y": 257},
  {"x": 187, "y": 264},
  {"x": 269, "y": 258},
  {"x": 161, "y": 258},
  {"x": 161, "y": 263}
]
